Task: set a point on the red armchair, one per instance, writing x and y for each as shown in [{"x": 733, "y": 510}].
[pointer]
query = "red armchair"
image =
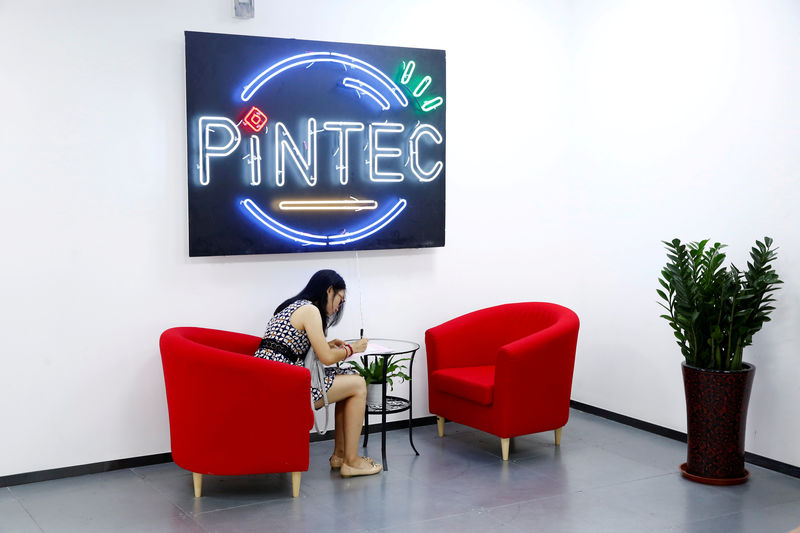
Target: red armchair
[
  {"x": 231, "y": 413},
  {"x": 505, "y": 370}
]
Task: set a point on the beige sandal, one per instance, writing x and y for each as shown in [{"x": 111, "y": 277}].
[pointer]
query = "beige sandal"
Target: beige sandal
[
  {"x": 337, "y": 462},
  {"x": 372, "y": 468}
]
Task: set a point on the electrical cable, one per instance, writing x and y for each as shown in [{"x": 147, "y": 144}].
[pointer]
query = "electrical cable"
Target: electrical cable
[{"x": 360, "y": 294}]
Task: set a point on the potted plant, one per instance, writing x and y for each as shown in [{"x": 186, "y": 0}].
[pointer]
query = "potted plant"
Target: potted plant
[
  {"x": 714, "y": 313},
  {"x": 372, "y": 372}
]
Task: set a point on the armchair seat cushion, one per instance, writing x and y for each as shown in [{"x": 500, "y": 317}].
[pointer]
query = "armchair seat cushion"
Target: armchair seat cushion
[{"x": 474, "y": 383}]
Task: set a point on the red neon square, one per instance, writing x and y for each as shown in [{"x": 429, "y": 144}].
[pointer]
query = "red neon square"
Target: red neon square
[{"x": 255, "y": 119}]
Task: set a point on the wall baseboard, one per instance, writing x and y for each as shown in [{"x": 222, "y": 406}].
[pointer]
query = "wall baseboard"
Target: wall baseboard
[
  {"x": 147, "y": 460},
  {"x": 752, "y": 458},
  {"x": 80, "y": 470},
  {"x": 374, "y": 429}
]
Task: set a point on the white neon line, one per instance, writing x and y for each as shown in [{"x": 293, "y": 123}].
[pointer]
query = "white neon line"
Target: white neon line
[
  {"x": 408, "y": 72},
  {"x": 376, "y": 152},
  {"x": 432, "y": 104},
  {"x": 323, "y": 240},
  {"x": 344, "y": 128},
  {"x": 306, "y": 165},
  {"x": 369, "y": 90},
  {"x": 332, "y": 57},
  {"x": 377, "y": 225},
  {"x": 413, "y": 148},
  {"x": 255, "y": 160},
  {"x": 205, "y": 151},
  {"x": 426, "y": 81},
  {"x": 274, "y": 225},
  {"x": 327, "y": 205}
]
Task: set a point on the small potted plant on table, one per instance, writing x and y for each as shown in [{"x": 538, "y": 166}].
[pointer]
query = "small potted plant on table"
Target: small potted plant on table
[
  {"x": 372, "y": 372},
  {"x": 714, "y": 313}
]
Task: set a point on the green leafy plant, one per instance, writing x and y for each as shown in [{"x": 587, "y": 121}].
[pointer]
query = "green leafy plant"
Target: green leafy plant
[
  {"x": 373, "y": 371},
  {"x": 714, "y": 311}
]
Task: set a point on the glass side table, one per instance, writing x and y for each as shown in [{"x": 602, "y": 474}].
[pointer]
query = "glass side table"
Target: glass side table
[{"x": 389, "y": 404}]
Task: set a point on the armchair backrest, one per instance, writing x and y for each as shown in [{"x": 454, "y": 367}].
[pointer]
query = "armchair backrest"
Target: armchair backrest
[{"x": 474, "y": 339}]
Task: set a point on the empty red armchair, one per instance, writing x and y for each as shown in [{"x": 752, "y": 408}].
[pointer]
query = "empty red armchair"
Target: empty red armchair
[
  {"x": 231, "y": 413},
  {"x": 505, "y": 370}
]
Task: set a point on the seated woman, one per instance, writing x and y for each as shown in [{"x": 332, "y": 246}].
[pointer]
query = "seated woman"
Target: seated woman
[{"x": 300, "y": 323}]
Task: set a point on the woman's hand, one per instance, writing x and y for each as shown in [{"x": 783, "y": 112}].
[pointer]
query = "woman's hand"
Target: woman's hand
[
  {"x": 336, "y": 343},
  {"x": 360, "y": 345}
]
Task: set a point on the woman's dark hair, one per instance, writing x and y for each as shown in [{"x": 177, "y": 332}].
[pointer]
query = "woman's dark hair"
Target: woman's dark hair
[{"x": 316, "y": 291}]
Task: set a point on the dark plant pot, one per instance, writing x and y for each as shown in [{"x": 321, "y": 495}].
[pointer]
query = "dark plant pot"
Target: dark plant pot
[{"x": 716, "y": 412}]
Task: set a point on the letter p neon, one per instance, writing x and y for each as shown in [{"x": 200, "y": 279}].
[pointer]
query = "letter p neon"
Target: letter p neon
[{"x": 210, "y": 127}]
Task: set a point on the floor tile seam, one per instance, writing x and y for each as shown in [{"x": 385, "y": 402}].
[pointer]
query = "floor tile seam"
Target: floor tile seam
[
  {"x": 708, "y": 518},
  {"x": 513, "y": 527},
  {"x": 534, "y": 473},
  {"x": 617, "y": 483},
  {"x": 244, "y": 505},
  {"x": 165, "y": 496},
  {"x": 27, "y": 511},
  {"x": 435, "y": 484},
  {"x": 135, "y": 473},
  {"x": 795, "y": 500},
  {"x": 605, "y": 486},
  {"x": 410, "y": 525},
  {"x": 540, "y": 499},
  {"x": 183, "y": 473},
  {"x": 628, "y": 458},
  {"x": 428, "y": 484}
]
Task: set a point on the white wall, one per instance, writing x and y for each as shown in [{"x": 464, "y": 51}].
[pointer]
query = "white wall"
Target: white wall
[
  {"x": 687, "y": 124},
  {"x": 616, "y": 125}
]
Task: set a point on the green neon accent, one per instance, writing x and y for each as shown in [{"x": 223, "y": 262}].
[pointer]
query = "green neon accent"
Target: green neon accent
[
  {"x": 407, "y": 72},
  {"x": 432, "y": 104},
  {"x": 404, "y": 75},
  {"x": 423, "y": 86}
]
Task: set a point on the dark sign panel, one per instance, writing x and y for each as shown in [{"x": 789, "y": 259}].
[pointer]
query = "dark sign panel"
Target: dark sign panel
[{"x": 300, "y": 146}]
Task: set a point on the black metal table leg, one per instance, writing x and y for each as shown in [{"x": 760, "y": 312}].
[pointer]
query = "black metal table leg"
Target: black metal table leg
[
  {"x": 366, "y": 427},
  {"x": 366, "y": 410},
  {"x": 383, "y": 417},
  {"x": 410, "y": 403}
]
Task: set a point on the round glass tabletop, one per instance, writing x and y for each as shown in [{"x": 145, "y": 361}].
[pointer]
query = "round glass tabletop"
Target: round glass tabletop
[{"x": 387, "y": 347}]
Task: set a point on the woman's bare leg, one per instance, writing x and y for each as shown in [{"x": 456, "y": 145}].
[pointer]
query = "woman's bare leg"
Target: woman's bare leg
[
  {"x": 338, "y": 431},
  {"x": 351, "y": 392}
]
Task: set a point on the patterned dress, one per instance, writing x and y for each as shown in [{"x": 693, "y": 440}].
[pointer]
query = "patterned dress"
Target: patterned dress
[{"x": 282, "y": 335}]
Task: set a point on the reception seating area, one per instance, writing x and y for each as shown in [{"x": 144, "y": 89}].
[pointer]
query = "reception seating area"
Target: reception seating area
[{"x": 505, "y": 370}]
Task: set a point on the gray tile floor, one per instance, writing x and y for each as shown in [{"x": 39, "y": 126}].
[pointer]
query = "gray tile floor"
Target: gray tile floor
[{"x": 605, "y": 477}]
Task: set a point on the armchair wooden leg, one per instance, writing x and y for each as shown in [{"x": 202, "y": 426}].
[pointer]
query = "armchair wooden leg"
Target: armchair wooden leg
[
  {"x": 558, "y": 436},
  {"x": 504, "y": 444},
  {"x": 197, "y": 479},
  {"x": 440, "y": 425},
  {"x": 296, "y": 484}
]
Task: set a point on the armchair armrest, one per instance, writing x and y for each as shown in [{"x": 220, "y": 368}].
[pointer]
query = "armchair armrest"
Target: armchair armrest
[{"x": 536, "y": 370}]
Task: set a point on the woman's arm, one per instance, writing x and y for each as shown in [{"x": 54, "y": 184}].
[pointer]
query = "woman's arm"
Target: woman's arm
[{"x": 307, "y": 318}]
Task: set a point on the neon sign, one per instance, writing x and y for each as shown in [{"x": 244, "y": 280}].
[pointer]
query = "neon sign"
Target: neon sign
[{"x": 299, "y": 146}]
